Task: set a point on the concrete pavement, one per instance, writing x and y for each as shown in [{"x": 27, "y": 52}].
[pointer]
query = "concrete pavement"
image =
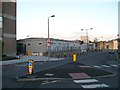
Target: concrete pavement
[{"x": 26, "y": 58}]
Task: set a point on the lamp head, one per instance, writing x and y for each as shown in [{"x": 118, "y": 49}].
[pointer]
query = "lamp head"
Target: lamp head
[
  {"x": 91, "y": 28},
  {"x": 53, "y": 16}
]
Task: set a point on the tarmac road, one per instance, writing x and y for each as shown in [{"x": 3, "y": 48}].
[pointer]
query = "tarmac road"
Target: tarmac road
[{"x": 92, "y": 68}]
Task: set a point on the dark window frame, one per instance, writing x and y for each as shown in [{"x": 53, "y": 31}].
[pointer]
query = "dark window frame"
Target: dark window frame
[
  {"x": 40, "y": 43},
  {"x": 29, "y": 44},
  {"x": 1, "y": 21}
]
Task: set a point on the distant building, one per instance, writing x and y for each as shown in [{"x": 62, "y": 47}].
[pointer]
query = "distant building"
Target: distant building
[
  {"x": 84, "y": 39},
  {"x": 113, "y": 44},
  {"x": 83, "y": 48},
  {"x": 91, "y": 46},
  {"x": 31, "y": 46},
  {"x": 8, "y": 27},
  {"x": 102, "y": 45},
  {"x": 38, "y": 46}
]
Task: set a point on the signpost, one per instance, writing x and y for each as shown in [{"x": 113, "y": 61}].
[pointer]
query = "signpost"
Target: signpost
[{"x": 49, "y": 42}]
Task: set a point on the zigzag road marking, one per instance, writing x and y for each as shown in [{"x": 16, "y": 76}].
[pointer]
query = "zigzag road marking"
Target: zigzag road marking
[
  {"x": 105, "y": 66},
  {"x": 97, "y": 66},
  {"x": 86, "y": 81},
  {"x": 114, "y": 65},
  {"x": 95, "y": 86},
  {"x": 91, "y": 83}
]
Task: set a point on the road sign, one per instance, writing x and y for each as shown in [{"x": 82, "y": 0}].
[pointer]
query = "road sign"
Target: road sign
[
  {"x": 49, "y": 42},
  {"x": 30, "y": 70},
  {"x": 30, "y": 63},
  {"x": 30, "y": 66}
]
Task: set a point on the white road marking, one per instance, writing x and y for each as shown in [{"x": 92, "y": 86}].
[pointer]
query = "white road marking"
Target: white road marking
[
  {"x": 85, "y": 81},
  {"x": 49, "y": 74},
  {"x": 95, "y": 86},
  {"x": 44, "y": 82},
  {"x": 49, "y": 82},
  {"x": 105, "y": 66},
  {"x": 54, "y": 81},
  {"x": 114, "y": 65},
  {"x": 97, "y": 66}
]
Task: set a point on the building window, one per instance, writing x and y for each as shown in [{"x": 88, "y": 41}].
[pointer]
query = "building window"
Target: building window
[
  {"x": 0, "y": 27},
  {"x": 0, "y": 22},
  {"x": 28, "y": 43},
  {"x": 40, "y": 43}
]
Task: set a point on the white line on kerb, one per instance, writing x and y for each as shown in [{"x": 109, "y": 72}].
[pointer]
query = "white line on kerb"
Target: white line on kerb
[
  {"x": 95, "y": 86},
  {"x": 97, "y": 66},
  {"x": 85, "y": 81},
  {"x": 114, "y": 65},
  {"x": 105, "y": 66}
]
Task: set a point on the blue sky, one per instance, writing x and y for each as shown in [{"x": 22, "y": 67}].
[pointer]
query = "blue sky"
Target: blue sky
[{"x": 70, "y": 18}]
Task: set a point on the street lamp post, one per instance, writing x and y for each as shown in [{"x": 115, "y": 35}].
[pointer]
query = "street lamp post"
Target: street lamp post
[
  {"x": 49, "y": 38},
  {"x": 87, "y": 36},
  {"x": 118, "y": 42},
  {"x": 102, "y": 43}
]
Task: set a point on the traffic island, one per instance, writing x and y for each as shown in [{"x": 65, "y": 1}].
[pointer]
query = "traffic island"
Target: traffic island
[
  {"x": 68, "y": 71},
  {"x": 64, "y": 71}
]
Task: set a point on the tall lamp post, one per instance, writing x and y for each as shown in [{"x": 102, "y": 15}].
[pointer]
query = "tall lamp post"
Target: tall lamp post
[
  {"x": 118, "y": 42},
  {"x": 48, "y": 40},
  {"x": 102, "y": 43},
  {"x": 87, "y": 36}
]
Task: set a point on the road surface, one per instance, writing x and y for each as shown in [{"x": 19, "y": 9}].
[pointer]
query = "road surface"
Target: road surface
[{"x": 92, "y": 70}]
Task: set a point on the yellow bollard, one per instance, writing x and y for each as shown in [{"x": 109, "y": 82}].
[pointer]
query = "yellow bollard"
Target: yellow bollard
[
  {"x": 29, "y": 53},
  {"x": 74, "y": 57},
  {"x": 30, "y": 66}
]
